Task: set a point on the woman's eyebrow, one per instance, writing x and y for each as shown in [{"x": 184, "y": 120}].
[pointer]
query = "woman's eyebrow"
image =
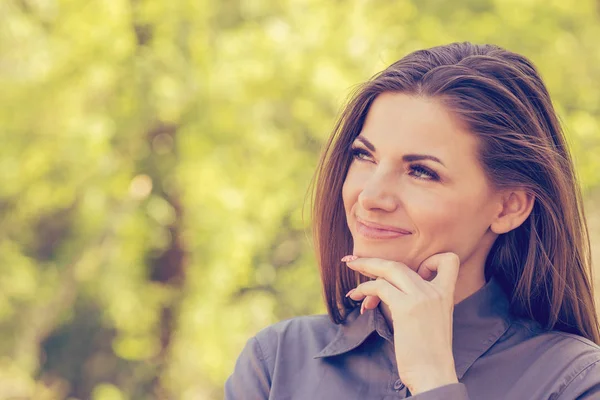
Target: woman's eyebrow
[
  {"x": 406, "y": 157},
  {"x": 419, "y": 157},
  {"x": 366, "y": 142}
]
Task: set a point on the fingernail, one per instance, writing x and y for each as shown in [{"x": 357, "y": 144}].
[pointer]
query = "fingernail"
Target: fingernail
[
  {"x": 362, "y": 308},
  {"x": 350, "y": 292},
  {"x": 349, "y": 258}
]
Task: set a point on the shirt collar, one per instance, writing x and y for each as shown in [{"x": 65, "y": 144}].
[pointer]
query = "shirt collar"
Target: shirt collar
[{"x": 479, "y": 321}]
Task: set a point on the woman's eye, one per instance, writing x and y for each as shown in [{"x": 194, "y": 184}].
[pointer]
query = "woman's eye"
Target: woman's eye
[
  {"x": 420, "y": 172},
  {"x": 416, "y": 170},
  {"x": 360, "y": 154}
]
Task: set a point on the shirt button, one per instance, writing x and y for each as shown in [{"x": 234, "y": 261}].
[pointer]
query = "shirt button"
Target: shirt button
[{"x": 398, "y": 385}]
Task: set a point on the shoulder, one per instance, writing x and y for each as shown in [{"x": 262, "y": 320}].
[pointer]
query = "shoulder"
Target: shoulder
[
  {"x": 304, "y": 336},
  {"x": 579, "y": 361},
  {"x": 567, "y": 346},
  {"x": 277, "y": 353},
  {"x": 571, "y": 361},
  {"x": 570, "y": 345},
  {"x": 574, "y": 352},
  {"x": 306, "y": 323}
]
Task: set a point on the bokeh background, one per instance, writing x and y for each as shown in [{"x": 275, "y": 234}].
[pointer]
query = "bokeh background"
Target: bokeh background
[{"x": 155, "y": 157}]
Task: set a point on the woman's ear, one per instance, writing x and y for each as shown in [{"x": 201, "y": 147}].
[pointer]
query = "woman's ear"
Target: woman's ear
[{"x": 515, "y": 207}]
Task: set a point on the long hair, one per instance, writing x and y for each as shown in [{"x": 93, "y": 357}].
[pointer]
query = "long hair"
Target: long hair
[{"x": 544, "y": 265}]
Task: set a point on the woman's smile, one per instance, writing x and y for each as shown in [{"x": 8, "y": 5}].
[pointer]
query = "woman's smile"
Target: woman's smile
[{"x": 371, "y": 230}]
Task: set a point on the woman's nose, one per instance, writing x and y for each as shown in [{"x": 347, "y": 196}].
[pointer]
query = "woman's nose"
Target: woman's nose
[{"x": 379, "y": 193}]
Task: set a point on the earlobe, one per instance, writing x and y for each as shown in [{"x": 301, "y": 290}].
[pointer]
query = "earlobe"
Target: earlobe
[{"x": 515, "y": 207}]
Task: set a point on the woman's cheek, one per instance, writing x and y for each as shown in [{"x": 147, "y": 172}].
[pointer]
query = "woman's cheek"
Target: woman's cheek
[
  {"x": 437, "y": 220},
  {"x": 429, "y": 207},
  {"x": 353, "y": 185}
]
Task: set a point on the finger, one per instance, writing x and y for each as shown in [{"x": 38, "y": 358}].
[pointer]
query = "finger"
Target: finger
[
  {"x": 370, "y": 302},
  {"x": 368, "y": 275},
  {"x": 441, "y": 269},
  {"x": 350, "y": 258},
  {"x": 396, "y": 273},
  {"x": 381, "y": 288},
  {"x": 426, "y": 271}
]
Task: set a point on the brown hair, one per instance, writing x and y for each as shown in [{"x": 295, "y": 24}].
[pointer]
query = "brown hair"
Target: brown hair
[{"x": 544, "y": 265}]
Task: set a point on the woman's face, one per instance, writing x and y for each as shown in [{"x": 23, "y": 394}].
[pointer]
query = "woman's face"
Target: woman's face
[{"x": 415, "y": 186}]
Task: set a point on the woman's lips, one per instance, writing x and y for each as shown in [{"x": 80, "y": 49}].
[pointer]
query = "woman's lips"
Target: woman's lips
[{"x": 375, "y": 231}]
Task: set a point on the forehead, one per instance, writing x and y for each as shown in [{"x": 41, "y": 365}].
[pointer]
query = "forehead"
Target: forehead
[{"x": 407, "y": 123}]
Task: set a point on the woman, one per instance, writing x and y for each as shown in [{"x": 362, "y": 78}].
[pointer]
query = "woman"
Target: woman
[{"x": 448, "y": 192}]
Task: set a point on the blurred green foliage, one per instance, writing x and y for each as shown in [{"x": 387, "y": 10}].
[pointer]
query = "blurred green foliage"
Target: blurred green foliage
[{"x": 154, "y": 161}]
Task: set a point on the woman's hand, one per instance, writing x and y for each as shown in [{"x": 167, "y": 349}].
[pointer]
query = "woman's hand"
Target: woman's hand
[{"x": 421, "y": 311}]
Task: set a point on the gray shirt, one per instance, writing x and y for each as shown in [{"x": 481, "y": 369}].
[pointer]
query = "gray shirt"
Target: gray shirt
[{"x": 496, "y": 356}]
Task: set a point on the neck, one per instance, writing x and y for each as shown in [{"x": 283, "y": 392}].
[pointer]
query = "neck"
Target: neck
[{"x": 468, "y": 283}]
